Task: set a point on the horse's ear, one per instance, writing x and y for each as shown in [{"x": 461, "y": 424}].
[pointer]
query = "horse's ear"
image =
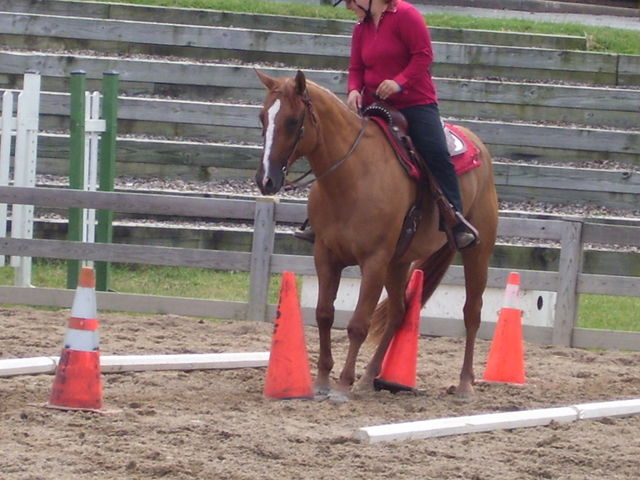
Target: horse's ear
[
  {"x": 266, "y": 80},
  {"x": 301, "y": 83}
]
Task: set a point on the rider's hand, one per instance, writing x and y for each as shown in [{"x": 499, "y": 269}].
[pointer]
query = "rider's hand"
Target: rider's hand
[
  {"x": 387, "y": 88},
  {"x": 354, "y": 100}
]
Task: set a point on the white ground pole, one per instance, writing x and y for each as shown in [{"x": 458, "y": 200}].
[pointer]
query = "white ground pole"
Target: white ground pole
[
  {"x": 138, "y": 363},
  {"x": 441, "y": 427}
]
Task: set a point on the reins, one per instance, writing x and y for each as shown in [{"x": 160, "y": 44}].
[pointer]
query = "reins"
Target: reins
[{"x": 293, "y": 184}]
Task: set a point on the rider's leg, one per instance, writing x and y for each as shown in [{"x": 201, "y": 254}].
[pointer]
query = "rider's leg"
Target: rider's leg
[{"x": 425, "y": 129}]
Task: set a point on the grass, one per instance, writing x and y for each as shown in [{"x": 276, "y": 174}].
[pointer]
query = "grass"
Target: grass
[
  {"x": 154, "y": 280},
  {"x": 600, "y": 39},
  {"x": 595, "y": 311},
  {"x": 609, "y": 313}
]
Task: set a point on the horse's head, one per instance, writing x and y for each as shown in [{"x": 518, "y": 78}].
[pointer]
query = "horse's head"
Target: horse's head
[{"x": 283, "y": 118}]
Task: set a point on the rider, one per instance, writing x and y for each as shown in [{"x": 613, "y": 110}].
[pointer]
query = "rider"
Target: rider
[{"x": 391, "y": 56}]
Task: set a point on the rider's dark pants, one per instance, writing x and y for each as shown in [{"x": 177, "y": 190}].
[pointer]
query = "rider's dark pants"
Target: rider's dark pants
[{"x": 425, "y": 129}]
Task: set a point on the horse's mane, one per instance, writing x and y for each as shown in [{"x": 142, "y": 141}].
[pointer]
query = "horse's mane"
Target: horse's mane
[{"x": 316, "y": 91}]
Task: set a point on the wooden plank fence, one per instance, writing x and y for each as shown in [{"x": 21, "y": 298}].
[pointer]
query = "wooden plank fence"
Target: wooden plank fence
[
  {"x": 198, "y": 17},
  {"x": 569, "y": 282},
  {"x": 223, "y": 122},
  {"x": 506, "y": 137},
  {"x": 521, "y": 101},
  {"x": 198, "y": 160},
  {"x": 238, "y": 123},
  {"x": 305, "y": 49}
]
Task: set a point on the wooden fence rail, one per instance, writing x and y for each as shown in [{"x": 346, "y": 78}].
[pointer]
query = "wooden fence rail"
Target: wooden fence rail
[
  {"x": 618, "y": 189},
  {"x": 500, "y": 100},
  {"x": 568, "y": 282}
]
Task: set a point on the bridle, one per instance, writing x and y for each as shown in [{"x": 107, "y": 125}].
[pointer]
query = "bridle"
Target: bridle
[
  {"x": 294, "y": 184},
  {"x": 308, "y": 107}
]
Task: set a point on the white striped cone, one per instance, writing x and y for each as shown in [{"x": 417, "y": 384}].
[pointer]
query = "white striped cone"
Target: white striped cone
[{"x": 77, "y": 384}]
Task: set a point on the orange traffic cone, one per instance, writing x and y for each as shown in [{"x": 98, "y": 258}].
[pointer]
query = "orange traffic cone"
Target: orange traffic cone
[
  {"x": 288, "y": 373},
  {"x": 399, "y": 365},
  {"x": 77, "y": 384},
  {"x": 505, "y": 362}
]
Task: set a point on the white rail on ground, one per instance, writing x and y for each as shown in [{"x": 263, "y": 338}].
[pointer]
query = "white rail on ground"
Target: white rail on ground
[
  {"x": 440, "y": 427},
  {"x": 138, "y": 363}
]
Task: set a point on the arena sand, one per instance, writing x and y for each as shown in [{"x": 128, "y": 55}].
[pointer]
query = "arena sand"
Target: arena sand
[{"x": 217, "y": 425}]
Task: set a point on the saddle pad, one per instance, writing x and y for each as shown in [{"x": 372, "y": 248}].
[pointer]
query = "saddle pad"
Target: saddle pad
[
  {"x": 469, "y": 158},
  {"x": 414, "y": 171},
  {"x": 463, "y": 162}
]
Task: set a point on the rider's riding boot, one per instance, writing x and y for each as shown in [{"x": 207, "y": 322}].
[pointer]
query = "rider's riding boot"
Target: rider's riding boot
[
  {"x": 305, "y": 233},
  {"x": 460, "y": 233},
  {"x": 464, "y": 234}
]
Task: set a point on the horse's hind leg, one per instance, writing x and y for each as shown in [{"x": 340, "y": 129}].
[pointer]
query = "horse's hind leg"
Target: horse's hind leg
[
  {"x": 476, "y": 269},
  {"x": 373, "y": 274},
  {"x": 395, "y": 308}
]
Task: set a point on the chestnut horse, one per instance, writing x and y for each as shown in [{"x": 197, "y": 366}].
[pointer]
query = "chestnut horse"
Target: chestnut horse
[{"x": 356, "y": 207}]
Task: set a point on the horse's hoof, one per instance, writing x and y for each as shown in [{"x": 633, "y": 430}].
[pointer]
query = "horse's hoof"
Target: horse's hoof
[
  {"x": 460, "y": 394},
  {"x": 337, "y": 396},
  {"x": 362, "y": 386},
  {"x": 321, "y": 393}
]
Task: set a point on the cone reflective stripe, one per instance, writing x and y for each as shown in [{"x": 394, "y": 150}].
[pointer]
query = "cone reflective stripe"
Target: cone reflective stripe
[
  {"x": 505, "y": 361},
  {"x": 288, "y": 373},
  {"x": 399, "y": 367},
  {"x": 82, "y": 335},
  {"x": 77, "y": 384},
  {"x": 512, "y": 291}
]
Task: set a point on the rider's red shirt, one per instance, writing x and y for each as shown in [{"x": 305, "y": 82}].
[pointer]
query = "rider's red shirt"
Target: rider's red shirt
[{"x": 399, "y": 48}]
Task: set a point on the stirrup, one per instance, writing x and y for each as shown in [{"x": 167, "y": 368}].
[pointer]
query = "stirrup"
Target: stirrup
[
  {"x": 305, "y": 232},
  {"x": 306, "y": 235},
  {"x": 464, "y": 234}
]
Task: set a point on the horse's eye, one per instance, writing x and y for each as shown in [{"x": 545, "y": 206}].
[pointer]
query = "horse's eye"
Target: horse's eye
[
  {"x": 261, "y": 116},
  {"x": 292, "y": 124}
]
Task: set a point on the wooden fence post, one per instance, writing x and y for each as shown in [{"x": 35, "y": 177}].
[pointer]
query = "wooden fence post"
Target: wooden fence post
[
  {"x": 24, "y": 175},
  {"x": 264, "y": 227},
  {"x": 77, "y": 85},
  {"x": 566, "y": 312},
  {"x": 107, "y": 170}
]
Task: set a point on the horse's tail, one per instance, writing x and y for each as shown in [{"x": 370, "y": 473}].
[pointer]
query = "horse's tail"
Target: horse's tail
[{"x": 434, "y": 268}]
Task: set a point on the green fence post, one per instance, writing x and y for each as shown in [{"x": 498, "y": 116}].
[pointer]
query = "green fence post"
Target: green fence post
[
  {"x": 106, "y": 170},
  {"x": 76, "y": 166}
]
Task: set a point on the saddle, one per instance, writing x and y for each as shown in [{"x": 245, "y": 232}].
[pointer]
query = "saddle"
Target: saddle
[{"x": 395, "y": 126}]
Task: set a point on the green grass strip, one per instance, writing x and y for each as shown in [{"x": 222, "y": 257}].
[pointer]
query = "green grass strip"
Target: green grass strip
[{"x": 599, "y": 39}]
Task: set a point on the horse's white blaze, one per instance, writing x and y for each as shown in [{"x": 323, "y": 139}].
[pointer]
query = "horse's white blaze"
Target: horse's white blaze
[{"x": 268, "y": 138}]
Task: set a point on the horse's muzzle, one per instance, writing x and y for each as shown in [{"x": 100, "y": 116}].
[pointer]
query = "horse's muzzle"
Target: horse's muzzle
[{"x": 269, "y": 184}]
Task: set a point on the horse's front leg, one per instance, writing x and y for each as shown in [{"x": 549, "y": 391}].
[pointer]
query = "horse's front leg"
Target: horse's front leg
[
  {"x": 329, "y": 271},
  {"x": 370, "y": 288}
]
